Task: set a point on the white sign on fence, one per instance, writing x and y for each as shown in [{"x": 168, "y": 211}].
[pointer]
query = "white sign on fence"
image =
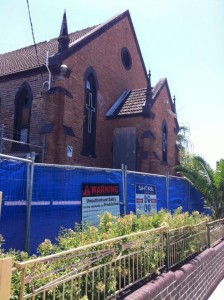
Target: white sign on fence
[
  {"x": 98, "y": 199},
  {"x": 145, "y": 198}
]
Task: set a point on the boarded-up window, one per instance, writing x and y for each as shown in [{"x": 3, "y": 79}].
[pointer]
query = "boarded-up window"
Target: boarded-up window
[{"x": 124, "y": 148}]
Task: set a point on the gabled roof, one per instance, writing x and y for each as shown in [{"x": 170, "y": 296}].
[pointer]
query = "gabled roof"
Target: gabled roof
[
  {"x": 25, "y": 59},
  {"x": 131, "y": 102}
]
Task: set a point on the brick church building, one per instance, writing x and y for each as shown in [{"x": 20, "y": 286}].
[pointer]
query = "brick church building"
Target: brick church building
[{"x": 85, "y": 98}]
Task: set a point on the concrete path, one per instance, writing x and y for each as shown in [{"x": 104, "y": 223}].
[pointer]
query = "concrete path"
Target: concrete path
[{"x": 218, "y": 293}]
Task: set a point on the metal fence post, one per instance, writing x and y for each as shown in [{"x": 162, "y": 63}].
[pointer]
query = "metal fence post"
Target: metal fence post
[
  {"x": 167, "y": 190},
  {"x": 167, "y": 249},
  {"x": 0, "y": 204},
  {"x": 30, "y": 174},
  {"x": 208, "y": 235},
  {"x": 1, "y": 138},
  {"x": 43, "y": 148},
  {"x": 124, "y": 184}
]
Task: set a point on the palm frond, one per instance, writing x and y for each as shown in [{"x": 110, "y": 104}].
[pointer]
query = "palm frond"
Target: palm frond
[{"x": 208, "y": 182}]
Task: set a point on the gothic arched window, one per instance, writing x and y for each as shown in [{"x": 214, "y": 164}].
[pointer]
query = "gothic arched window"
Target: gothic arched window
[
  {"x": 23, "y": 105},
  {"x": 164, "y": 142},
  {"x": 89, "y": 125}
]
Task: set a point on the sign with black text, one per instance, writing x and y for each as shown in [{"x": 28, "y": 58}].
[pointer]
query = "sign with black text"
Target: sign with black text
[
  {"x": 98, "y": 199},
  {"x": 145, "y": 198}
]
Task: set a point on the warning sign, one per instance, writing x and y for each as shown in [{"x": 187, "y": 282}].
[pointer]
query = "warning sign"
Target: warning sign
[
  {"x": 145, "y": 198},
  {"x": 98, "y": 199}
]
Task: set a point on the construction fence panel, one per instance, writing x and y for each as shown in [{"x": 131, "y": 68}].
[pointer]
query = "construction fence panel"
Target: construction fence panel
[
  {"x": 197, "y": 201},
  {"x": 66, "y": 196},
  {"x": 13, "y": 185},
  {"x": 179, "y": 193},
  {"x": 146, "y": 193},
  {"x": 58, "y": 195},
  {"x": 183, "y": 193},
  {"x": 167, "y": 192}
]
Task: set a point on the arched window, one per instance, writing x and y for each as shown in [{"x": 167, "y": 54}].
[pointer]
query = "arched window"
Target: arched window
[
  {"x": 164, "y": 142},
  {"x": 23, "y": 104},
  {"x": 89, "y": 125}
]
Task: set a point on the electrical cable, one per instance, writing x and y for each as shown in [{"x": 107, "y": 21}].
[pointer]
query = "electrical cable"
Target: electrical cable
[{"x": 35, "y": 46}]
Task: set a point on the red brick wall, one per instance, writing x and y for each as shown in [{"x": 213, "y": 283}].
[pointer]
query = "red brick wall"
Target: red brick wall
[
  {"x": 8, "y": 90},
  {"x": 195, "y": 280},
  {"x": 162, "y": 110},
  {"x": 104, "y": 55}
]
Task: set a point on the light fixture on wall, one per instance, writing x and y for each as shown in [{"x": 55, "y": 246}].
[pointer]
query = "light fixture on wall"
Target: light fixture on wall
[{"x": 63, "y": 69}]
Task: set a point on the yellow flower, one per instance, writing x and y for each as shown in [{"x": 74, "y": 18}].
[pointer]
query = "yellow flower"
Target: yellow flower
[
  {"x": 93, "y": 229},
  {"x": 164, "y": 224},
  {"x": 119, "y": 269},
  {"x": 125, "y": 272},
  {"x": 100, "y": 286},
  {"x": 195, "y": 213}
]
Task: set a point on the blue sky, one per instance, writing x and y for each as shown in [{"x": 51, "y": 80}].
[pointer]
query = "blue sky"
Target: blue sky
[{"x": 182, "y": 40}]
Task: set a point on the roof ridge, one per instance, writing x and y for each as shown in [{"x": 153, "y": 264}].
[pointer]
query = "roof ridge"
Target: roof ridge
[
  {"x": 132, "y": 103},
  {"x": 12, "y": 62},
  {"x": 99, "y": 26},
  {"x": 50, "y": 40}
]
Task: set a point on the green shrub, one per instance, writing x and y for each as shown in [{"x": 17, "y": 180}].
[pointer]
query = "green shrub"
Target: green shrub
[{"x": 109, "y": 227}]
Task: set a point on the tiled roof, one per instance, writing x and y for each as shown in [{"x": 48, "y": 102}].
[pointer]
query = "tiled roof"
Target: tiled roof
[
  {"x": 132, "y": 102},
  {"x": 25, "y": 58}
]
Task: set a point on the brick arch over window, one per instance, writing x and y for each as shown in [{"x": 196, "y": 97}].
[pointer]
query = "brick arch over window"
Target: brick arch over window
[
  {"x": 23, "y": 105},
  {"x": 164, "y": 141},
  {"x": 90, "y": 113}
]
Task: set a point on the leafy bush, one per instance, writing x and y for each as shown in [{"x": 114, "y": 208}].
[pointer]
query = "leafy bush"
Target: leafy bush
[{"x": 108, "y": 228}]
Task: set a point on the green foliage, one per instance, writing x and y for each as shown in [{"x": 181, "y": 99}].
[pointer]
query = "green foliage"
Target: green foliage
[
  {"x": 105, "y": 279},
  {"x": 208, "y": 182},
  {"x": 183, "y": 138},
  {"x": 219, "y": 180},
  {"x": 111, "y": 227},
  {"x": 183, "y": 142}
]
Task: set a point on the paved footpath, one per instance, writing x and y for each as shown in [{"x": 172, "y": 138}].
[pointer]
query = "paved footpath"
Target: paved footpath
[{"x": 218, "y": 293}]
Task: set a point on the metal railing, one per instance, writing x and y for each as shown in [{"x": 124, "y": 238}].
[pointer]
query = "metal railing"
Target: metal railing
[
  {"x": 10, "y": 146},
  {"x": 215, "y": 232},
  {"x": 98, "y": 271},
  {"x": 185, "y": 241},
  {"x": 104, "y": 269}
]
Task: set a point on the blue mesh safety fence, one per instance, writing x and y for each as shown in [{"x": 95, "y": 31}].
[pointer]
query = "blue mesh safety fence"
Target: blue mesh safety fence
[
  {"x": 13, "y": 185},
  {"x": 59, "y": 194}
]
